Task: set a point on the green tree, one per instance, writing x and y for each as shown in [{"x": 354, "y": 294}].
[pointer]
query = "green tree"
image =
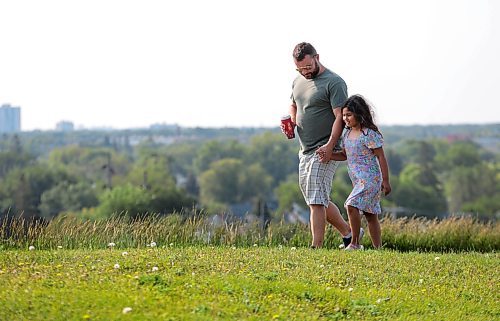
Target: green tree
[
  {"x": 276, "y": 154},
  {"x": 229, "y": 181},
  {"x": 65, "y": 197},
  {"x": 288, "y": 192},
  {"x": 419, "y": 190},
  {"x": 458, "y": 154},
  {"x": 215, "y": 150},
  {"x": 22, "y": 189},
  {"x": 467, "y": 184},
  {"x": 127, "y": 200}
]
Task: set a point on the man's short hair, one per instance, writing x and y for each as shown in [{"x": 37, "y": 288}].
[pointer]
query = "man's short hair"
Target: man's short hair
[{"x": 303, "y": 49}]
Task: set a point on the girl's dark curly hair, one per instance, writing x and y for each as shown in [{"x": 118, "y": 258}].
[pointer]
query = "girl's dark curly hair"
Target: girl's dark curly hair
[{"x": 357, "y": 105}]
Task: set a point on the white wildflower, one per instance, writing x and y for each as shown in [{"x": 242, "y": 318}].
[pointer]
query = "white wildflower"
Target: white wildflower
[
  {"x": 322, "y": 266},
  {"x": 171, "y": 244},
  {"x": 31, "y": 248},
  {"x": 153, "y": 244},
  {"x": 124, "y": 253},
  {"x": 111, "y": 244},
  {"x": 255, "y": 245},
  {"x": 59, "y": 247},
  {"x": 421, "y": 281},
  {"x": 436, "y": 258},
  {"x": 350, "y": 289},
  {"x": 117, "y": 266},
  {"x": 293, "y": 248},
  {"x": 154, "y": 269},
  {"x": 341, "y": 246},
  {"x": 126, "y": 310}
]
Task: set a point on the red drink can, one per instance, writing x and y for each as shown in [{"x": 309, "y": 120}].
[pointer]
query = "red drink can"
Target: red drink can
[{"x": 287, "y": 126}]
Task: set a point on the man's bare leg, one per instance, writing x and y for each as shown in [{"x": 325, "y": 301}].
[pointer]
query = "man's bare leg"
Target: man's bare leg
[
  {"x": 318, "y": 222},
  {"x": 334, "y": 217}
]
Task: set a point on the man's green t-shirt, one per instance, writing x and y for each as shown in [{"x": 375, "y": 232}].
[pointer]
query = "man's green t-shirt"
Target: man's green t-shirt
[{"x": 315, "y": 99}]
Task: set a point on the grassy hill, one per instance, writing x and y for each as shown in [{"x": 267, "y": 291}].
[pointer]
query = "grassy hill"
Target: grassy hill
[{"x": 167, "y": 282}]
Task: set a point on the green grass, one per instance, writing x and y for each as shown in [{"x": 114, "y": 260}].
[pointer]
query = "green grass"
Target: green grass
[{"x": 249, "y": 283}]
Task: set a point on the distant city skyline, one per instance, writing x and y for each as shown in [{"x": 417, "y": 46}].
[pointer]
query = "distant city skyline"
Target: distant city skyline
[{"x": 116, "y": 64}]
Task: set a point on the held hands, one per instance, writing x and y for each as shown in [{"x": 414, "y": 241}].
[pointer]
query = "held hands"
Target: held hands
[{"x": 324, "y": 153}]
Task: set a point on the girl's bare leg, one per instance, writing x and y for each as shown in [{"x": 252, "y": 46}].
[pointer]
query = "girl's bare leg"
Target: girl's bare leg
[
  {"x": 355, "y": 222},
  {"x": 374, "y": 228}
]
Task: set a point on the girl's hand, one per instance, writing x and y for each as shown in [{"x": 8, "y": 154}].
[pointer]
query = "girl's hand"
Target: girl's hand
[{"x": 386, "y": 187}]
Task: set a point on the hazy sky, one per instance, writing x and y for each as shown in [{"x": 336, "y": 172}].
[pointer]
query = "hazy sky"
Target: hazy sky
[{"x": 122, "y": 64}]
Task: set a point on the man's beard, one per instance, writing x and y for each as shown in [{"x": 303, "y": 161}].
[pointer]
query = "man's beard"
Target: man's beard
[{"x": 313, "y": 74}]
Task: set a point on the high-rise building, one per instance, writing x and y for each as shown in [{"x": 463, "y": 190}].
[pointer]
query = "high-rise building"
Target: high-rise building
[
  {"x": 10, "y": 119},
  {"x": 65, "y": 126}
]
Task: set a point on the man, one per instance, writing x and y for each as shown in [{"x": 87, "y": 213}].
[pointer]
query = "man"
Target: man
[{"x": 317, "y": 95}]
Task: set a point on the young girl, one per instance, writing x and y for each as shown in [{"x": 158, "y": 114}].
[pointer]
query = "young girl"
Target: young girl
[{"x": 367, "y": 168}]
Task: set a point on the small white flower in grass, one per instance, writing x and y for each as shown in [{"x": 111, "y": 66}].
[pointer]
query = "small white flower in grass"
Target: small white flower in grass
[
  {"x": 350, "y": 289},
  {"x": 124, "y": 253},
  {"x": 111, "y": 244},
  {"x": 280, "y": 246},
  {"x": 153, "y": 244},
  {"x": 421, "y": 281},
  {"x": 117, "y": 266},
  {"x": 341, "y": 246},
  {"x": 59, "y": 247},
  {"x": 322, "y": 266},
  {"x": 234, "y": 247},
  {"x": 293, "y": 248},
  {"x": 171, "y": 244},
  {"x": 31, "y": 248},
  {"x": 436, "y": 258},
  {"x": 154, "y": 269},
  {"x": 193, "y": 274},
  {"x": 255, "y": 245},
  {"x": 127, "y": 310}
]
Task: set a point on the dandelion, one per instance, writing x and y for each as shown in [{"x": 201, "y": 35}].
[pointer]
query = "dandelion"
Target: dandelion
[
  {"x": 436, "y": 258},
  {"x": 341, "y": 246},
  {"x": 255, "y": 245},
  {"x": 293, "y": 248},
  {"x": 124, "y": 253},
  {"x": 31, "y": 248},
  {"x": 126, "y": 310},
  {"x": 350, "y": 289},
  {"x": 322, "y": 266},
  {"x": 153, "y": 244},
  {"x": 59, "y": 247},
  {"x": 117, "y": 266},
  {"x": 154, "y": 269},
  {"x": 111, "y": 244}
]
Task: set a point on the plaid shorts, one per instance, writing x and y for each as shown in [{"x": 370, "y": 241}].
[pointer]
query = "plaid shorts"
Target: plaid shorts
[{"x": 315, "y": 179}]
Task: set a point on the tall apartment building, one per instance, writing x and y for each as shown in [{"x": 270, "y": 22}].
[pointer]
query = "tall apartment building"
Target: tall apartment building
[
  {"x": 65, "y": 126},
  {"x": 10, "y": 119}
]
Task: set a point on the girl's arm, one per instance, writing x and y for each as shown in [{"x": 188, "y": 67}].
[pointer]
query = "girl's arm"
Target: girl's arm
[
  {"x": 386, "y": 185},
  {"x": 338, "y": 156}
]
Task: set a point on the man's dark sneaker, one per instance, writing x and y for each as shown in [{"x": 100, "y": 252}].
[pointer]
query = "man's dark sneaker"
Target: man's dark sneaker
[{"x": 347, "y": 240}]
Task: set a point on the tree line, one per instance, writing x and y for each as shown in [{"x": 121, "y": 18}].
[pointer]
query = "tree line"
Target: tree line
[{"x": 431, "y": 176}]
